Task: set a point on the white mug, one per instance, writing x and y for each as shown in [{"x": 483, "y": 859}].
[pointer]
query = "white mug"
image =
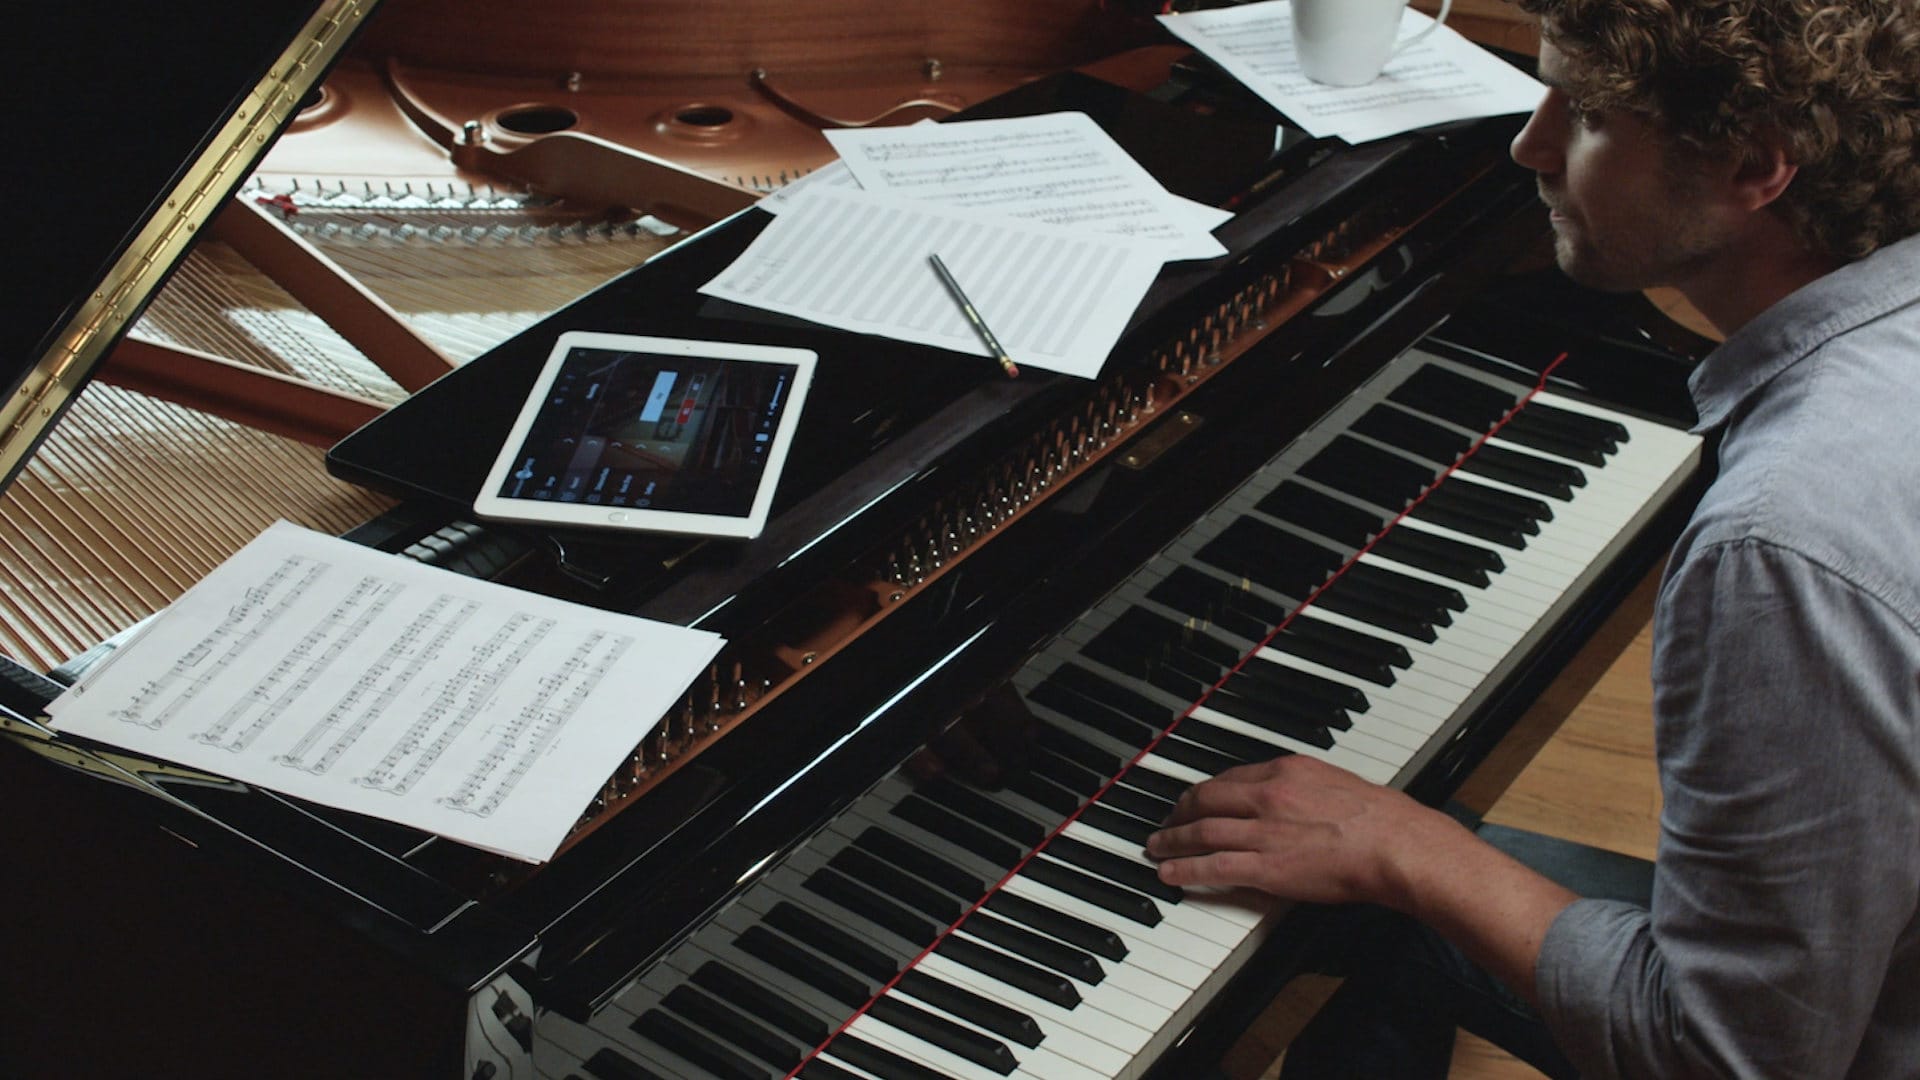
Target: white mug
[{"x": 1347, "y": 42}]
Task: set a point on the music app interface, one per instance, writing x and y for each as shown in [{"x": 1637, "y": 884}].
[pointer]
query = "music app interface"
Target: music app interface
[{"x": 642, "y": 430}]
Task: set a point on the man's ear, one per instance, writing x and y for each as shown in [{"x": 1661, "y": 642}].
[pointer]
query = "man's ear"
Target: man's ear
[{"x": 1763, "y": 174}]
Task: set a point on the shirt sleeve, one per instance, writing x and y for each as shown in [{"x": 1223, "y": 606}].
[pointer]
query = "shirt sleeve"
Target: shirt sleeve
[{"x": 1789, "y": 841}]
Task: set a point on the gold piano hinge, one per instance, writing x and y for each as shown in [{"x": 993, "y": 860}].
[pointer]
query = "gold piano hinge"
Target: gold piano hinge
[
  {"x": 1144, "y": 450},
  {"x": 62, "y": 371}
]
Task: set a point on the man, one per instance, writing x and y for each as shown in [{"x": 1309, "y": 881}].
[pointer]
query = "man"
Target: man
[{"x": 1761, "y": 156}]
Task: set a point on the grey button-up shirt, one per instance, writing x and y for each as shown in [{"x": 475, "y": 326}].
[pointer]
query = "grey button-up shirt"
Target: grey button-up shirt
[{"x": 1784, "y": 937}]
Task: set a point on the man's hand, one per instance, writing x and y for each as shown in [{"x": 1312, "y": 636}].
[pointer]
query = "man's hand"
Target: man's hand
[
  {"x": 1305, "y": 830},
  {"x": 1297, "y": 828}
]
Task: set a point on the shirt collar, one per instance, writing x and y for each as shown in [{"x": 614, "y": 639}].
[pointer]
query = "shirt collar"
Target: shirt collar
[{"x": 1801, "y": 322}]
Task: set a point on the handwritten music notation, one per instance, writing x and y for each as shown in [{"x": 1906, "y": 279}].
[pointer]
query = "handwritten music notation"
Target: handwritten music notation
[{"x": 365, "y": 681}]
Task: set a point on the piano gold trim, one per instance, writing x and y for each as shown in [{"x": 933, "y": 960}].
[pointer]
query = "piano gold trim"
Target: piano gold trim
[{"x": 61, "y": 372}]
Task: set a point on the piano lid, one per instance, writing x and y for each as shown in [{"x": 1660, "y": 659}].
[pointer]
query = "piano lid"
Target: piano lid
[{"x": 139, "y": 121}]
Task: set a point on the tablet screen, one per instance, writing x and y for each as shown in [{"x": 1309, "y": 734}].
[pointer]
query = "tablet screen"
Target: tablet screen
[{"x": 660, "y": 434}]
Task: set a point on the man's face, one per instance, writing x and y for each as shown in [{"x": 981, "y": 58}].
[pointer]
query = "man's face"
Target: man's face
[{"x": 1625, "y": 215}]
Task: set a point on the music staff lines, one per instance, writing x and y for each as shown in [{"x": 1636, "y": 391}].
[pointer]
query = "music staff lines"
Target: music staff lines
[
  {"x": 301, "y": 666},
  {"x": 246, "y": 622},
  {"x": 525, "y": 739},
  {"x": 366, "y": 703}
]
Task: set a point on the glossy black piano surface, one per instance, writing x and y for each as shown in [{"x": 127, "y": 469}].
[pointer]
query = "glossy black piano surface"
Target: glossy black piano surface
[{"x": 335, "y": 942}]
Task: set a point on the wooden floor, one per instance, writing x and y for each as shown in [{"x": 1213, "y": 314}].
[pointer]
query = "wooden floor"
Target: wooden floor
[{"x": 1592, "y": 780}]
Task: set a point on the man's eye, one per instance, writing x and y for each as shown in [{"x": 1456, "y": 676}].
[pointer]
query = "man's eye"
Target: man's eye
[{"x": 1582, "y": 115}]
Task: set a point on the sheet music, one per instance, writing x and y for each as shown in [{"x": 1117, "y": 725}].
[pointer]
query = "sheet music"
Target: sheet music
[
  {"x": 1058, "y": 168},
  {"x": 323, "y": 669},
  {"x": 858, "y": 260},
  {"x": 1445, "y": 77}
]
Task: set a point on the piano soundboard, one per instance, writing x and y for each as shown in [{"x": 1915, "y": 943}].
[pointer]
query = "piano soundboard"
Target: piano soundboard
[{"x": 940, "y": 929}]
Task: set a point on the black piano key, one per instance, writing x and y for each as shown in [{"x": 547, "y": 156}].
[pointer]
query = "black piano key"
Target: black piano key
[
  {"x": 896, "y": 885},
  {"x": 879, "y": 1060},
  {"x": 1079, "y": 751},
  {"x": 1207, "y": 598},
  {"x": 829, "y": 940},
  {"x": 1593, "y": 430},
  {"x": 1121, "y": 871},
  {"x": 1281, "y": 681},
  {"x": 1336, "y": 655},
  {"x": 922, "y": 863},
  {"x": 871, "y": 906},
  {"x": 1056, "y": 696},
  {"x": 1091, "y": 685},
  {"x": 1528, "y": 430},
  {"x": 1140, "y": 804},
  {"x": 1375, "y": 649},
  {"x": 1035, "y": 948},
  {"x": 1246, "y": 749},
  {"x": 982, "y": 1050},
  {"x": 1031, "y": 785},
  {"x": 1196, "y": 641},
  {"x": 745, "y": 993},
  {"x": 984, "y": 811},
  {"x": 676, "y": 1035},
  {"x": 1123, "y": 902},
  {"x": 1297, "y": 504},
  {"x": 1041, "y": 983},
  {"x": 958, "y": 831},
  {"x": 1155, "y": 782},
  {"x": 1282, "y": 687},
  {"x": 778, "y": 952},
  {"x": 1285, "y": 562},
  {"x": 821, "y": 1069},
  {"x": 1414, "y": 434},
  {"x": 1524, "y": 512},
  {"x": 1228, "y": 604},
  {"x": 1243, "y": 749},
  {"x": 1369, "y": 473},
  {"x": 1194, "y": 756},
  {"x": 984, "y": 1012},
  {"x": 1449, "y": 395},
  {"x": 609, "y": 1064},
  {"x": 1181, "y": 684},
  {"x": 1441, "y": 555},
  {"x": 1357, "y": 604},
  {"x": 1097, "y": 940},
  {"x": 1429, "y": 596},
  {"x": 1278, "y": 716},
  {"x": 1125, "y": 826},
  {"x": 732, "y": 1029},
  {"x": 1555, "y": 480},
  {"x": 1472, "y": 524},
  {"x": 1070, "y": 775}
]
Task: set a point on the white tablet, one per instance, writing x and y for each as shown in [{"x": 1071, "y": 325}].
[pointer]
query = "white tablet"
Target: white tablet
[{"x": 655, "y": 434}]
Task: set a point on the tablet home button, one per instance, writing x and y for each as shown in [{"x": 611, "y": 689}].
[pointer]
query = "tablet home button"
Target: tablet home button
[{"x": 617, "y": 516}]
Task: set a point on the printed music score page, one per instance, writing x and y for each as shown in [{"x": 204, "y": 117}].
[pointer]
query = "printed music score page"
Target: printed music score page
[
  {"x": 1443, "y": 78},
  {"x": 859, "y": 260},
  {"x": 325, "y": 670},
  {"x": 1058, "y": 168}
]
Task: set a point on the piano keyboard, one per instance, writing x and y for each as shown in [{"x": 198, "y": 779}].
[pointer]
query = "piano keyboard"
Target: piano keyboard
[{"x": 940, "y": 930}]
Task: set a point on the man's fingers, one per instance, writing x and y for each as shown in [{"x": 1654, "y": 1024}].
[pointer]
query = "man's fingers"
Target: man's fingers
[
  {"x": 1205, "y": 835},
  {"x": 1220, "y": 869}
]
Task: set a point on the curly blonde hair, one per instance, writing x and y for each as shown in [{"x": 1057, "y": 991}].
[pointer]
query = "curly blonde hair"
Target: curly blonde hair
[{"x": 1838, "y": 84}]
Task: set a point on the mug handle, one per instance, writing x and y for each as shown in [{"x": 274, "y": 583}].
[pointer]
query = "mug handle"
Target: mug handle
[{"x": 1438, "y": 21}]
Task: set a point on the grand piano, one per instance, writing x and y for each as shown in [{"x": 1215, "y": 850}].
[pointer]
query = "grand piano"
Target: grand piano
[{"x": 1361, "y": 488}]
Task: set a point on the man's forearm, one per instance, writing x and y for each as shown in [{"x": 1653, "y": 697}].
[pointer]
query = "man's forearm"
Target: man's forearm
[{"x": 1493, "y": 908}]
